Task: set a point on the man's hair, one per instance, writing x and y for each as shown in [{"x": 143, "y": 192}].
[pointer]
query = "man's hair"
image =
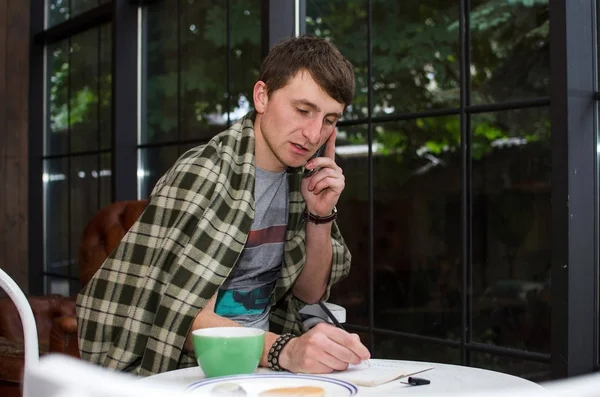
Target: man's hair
[{"x": 326, "y": 65}]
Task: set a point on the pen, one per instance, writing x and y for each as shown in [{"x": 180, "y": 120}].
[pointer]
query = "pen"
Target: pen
[
  {"x": 331, "y": 316},
  {"x": 335, "y": 321}
]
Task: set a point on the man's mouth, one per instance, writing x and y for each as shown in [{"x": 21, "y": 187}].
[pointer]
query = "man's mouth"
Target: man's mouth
[{"x": 300, "y": 147}]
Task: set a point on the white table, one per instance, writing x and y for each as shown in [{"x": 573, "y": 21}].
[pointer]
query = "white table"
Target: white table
[{"x": 444, "y": 378}]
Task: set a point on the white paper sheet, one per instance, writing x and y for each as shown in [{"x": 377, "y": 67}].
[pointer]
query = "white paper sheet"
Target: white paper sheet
[{"x": 378, "y": 373}]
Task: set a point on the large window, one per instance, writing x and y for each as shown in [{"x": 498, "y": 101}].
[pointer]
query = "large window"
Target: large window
[
  {"x": 454, "y": 196},
  {"x": 201, "y": 61},
  {"x": 77, "y": 147},
  {"x": 471, "y": 205}
]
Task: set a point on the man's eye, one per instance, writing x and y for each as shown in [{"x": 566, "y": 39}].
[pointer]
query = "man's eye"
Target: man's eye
[
  {"x": 330, "y": 122},
  {"x": 302, "y": 111}
]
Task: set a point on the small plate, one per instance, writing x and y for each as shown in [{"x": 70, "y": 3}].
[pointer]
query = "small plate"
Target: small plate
[{"x": 255, "y": 384}]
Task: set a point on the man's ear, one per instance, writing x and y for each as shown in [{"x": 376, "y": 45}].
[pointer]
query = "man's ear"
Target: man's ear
[{"x": 260, "y": 96}]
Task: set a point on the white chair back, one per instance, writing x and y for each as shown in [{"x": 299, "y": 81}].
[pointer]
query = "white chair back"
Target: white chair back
[{"x": 32, "y": 352}]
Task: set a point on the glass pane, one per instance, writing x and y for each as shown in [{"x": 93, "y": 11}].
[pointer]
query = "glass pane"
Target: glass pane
[
  {"x": 187, "y": 146},
  {"x": 56, "y": 216},
  {"x": 512, "y": 228},
  {"x": 417, "y": 226},
  {"x": 396, "y": 348},
  {"x": 58, "y": 11},
  {"x": 186, "y": 67},
  {"x": 79, "y": 6},
  {"x": 56, "y": 285},
  {"x": 83, "y": 91},
  {"x": 154, "y": 163},
  {"x": 345, "y": 24},
  {"x": 351, "y": 155},
  {"x": 105, "y": 176},
  {"x": 80, "y": 93},
  {"x": 532, "y": 370},
  {"x": 85, "y": 197},
  {"x": 105, "y": 87},
  {"x": 245, "y": 54},
  {"x": 415, "y": 56},
  {"x": 57, "y": 131},
  {"x": 203, "y": 90},
  {"x": 161, "y": 82},
  {"x": 509, "y": 50}
]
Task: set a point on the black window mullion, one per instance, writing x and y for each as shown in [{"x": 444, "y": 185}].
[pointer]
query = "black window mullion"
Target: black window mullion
[
  {"x": 69, "y": 138},
  {"x": 468, "y": 190},
  {"x": 465, "y": 177},
  {"x": 302, "y": 16},
  {"x": 99, "y": 117},
  {"x": 371, "y": 176},
  {"x": 143, "y": 78},
  {"x": 178, "y": 62},
  {"x": 125, "y": 96},
  {"x": 37, "y": 121},
  {"x": 574, "y": 181},
  {"x": 278, "y": 22},
  {"x": 228, "y": 61}
]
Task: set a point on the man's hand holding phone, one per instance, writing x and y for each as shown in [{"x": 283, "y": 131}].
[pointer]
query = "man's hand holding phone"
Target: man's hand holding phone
[
  {"x": 319, "y": 153},
  {"x": 321, "y": 189}
]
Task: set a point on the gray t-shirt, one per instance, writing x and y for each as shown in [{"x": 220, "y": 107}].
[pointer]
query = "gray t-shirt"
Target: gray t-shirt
[{"x": 244, "y": 296}]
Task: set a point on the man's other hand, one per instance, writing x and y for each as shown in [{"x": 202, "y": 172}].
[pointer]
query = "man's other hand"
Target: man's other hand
[{"x": 322, "y": 350}]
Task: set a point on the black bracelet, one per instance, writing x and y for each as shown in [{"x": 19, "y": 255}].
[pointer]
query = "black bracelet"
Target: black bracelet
[
  {"x": 316, "y": 219},
  {"x": 275, "y": 350}
]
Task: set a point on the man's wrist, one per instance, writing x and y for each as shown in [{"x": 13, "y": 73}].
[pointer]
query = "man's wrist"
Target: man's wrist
[
  {"x": 279, "y": 354},
  {"x": 285, "y": 357},
  {"x": 318, "y": 219}
]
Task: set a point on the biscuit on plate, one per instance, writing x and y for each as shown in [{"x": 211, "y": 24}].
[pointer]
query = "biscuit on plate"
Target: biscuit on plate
[{"x": 302, "y": 391}]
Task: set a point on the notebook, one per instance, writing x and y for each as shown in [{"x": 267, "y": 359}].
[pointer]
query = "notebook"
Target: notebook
[{"x": 378, "y": 372}]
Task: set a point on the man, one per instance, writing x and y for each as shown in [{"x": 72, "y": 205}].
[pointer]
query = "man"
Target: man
[{"x": 233, "y": 234}]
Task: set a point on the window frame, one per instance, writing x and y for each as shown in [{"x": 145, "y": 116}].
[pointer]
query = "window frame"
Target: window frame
[{"x": 575, "y": 307}]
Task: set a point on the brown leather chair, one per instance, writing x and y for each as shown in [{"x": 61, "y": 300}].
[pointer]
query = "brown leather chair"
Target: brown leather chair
[
  {"x": 45, "y": 310},
  {"x": 100, "y": 237},
  {"x": 55, "y": 315}
]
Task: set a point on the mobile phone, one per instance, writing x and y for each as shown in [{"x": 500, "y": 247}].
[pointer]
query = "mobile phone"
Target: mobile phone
[{"x": 318, "y": 153}]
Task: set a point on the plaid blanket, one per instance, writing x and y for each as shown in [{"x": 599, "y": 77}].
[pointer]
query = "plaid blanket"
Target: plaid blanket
[{"x": 135, "y": 314}]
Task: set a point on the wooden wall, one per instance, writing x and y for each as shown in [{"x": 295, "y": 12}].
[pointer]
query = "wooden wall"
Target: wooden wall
[{"x": 14, "y": 85}]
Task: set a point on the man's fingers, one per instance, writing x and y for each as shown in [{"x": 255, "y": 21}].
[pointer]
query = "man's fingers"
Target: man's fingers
[
  {"x": 333, "y": 184},
  {"x": 323, "y": 163},
  {"x": 333, "y": 362},
  {"x": 339, "y": 338},
  {"x": 351, "y": 342},
  {"x": 323, "y": 175},
  {"x": 330, "y": 145},
  {"x": 342, "y": 353},
  {"x": 316, "y": 367}
]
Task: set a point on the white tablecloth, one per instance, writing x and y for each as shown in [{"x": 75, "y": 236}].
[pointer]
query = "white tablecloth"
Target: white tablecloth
[{"x": 444, "y": 378}]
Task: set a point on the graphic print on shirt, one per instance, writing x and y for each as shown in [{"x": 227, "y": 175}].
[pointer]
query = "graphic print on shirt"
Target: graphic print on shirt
[
  {"x": 245, "y": 295},
  {"x": 250, "y": 302}
]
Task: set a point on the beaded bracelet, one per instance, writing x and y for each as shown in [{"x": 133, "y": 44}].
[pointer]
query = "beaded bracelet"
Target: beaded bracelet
[{"x": 278, "y": 345}]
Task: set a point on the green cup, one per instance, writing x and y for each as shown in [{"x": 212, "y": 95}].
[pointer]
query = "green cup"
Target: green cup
[{"x": 222, "y": 351}]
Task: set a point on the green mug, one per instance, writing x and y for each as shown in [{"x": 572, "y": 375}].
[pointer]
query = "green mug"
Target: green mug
[{"x": 222, "y": 351}]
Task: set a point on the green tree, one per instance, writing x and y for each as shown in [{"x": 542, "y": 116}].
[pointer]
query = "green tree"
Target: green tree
[
  {"x": 415, "y": 54},
  {"x": 415, "y": 57}
]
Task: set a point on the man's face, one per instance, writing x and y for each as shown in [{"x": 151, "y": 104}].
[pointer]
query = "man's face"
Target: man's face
[{"x": 293, "y": 122}]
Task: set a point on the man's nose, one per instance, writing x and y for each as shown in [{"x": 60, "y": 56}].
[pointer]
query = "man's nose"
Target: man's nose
[{"x": 312, "y": 132}]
